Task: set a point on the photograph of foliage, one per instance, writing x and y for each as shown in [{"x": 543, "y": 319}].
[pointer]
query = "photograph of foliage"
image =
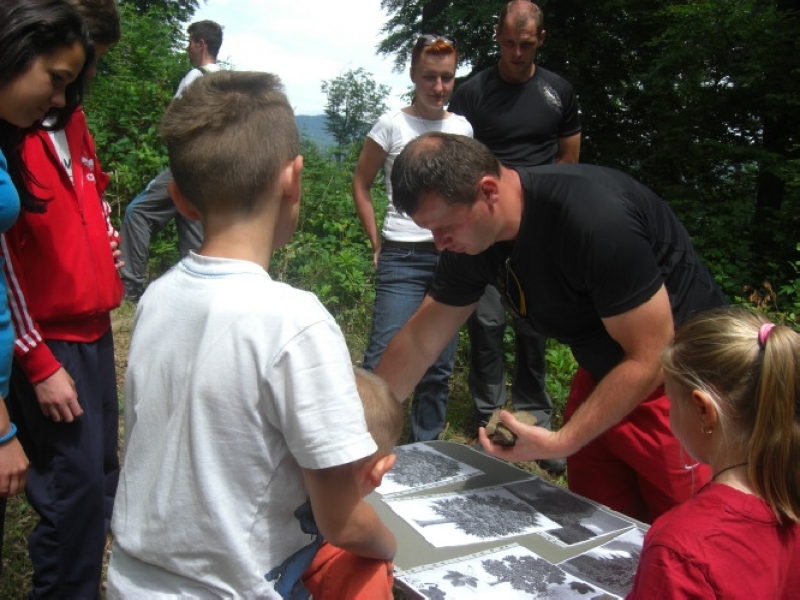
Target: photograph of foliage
[
  {"x": 579, "y": 519},
  {"x": 479, "y": 516},
  {"x": 509, "y": 572},
  {"x": 418, "y": 466},
  {"x": 611, "y": 566}
]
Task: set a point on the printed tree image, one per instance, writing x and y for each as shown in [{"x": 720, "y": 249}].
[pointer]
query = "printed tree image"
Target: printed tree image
[
  {"x": 613, "y": 571},
  {"x": 525, "y": 573},
  {"x": 562, "y": 507},
  {"x": 416, "y": 467},
  {"x": 484, "y": 516}
]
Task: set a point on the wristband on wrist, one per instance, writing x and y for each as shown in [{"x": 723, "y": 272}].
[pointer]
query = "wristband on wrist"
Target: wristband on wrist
[{"x": 8, "y": 437}]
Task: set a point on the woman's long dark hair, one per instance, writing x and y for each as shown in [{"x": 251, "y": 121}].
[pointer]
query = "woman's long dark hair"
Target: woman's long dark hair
[{"x": 31, "y": 28}]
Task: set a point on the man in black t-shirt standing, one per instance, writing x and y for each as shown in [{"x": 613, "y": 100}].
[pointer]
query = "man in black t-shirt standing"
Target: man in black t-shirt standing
[
  {"x": 585, "y": 255},
  {"x": 527, "y": 116}
]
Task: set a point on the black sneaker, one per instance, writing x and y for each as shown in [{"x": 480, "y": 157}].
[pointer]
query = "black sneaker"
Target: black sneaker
[{"x": 555, "y": 466}]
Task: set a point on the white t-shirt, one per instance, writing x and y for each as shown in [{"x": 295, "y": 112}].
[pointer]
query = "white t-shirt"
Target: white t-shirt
[
  {"x": 234, "y": 382},
  {"x": 392, "y": 132},
  {"x": 192, "y": 75}
]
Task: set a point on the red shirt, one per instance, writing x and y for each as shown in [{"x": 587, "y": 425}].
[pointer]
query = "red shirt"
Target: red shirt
[{"x": 721, "y": 543}]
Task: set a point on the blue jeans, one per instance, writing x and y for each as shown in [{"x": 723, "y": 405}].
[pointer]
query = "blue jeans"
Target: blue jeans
[{"x": 403, "y": 278}]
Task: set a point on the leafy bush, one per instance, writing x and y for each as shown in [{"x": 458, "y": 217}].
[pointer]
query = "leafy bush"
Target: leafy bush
[
  {"x": 789, "y": 296},
  {"x": 330, "y": 253},
  {"x": 135, "y": 83}
]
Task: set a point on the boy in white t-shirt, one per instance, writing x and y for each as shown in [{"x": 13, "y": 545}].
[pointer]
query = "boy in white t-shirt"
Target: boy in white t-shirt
[{"x": 240, "y": 396}]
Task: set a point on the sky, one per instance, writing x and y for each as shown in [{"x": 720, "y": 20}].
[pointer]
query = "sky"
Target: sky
[{"x": 305, "y": 42}]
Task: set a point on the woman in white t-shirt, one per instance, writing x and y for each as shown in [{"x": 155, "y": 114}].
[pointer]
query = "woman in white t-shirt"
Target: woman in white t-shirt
[{"x": 404, "y": 254}]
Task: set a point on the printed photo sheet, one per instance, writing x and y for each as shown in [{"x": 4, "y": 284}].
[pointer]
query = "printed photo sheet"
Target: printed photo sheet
[
  {"x": 579, "y": 519},
  {"x": 420, "y": 467},
  {"x": 611, "y": 566},
  {"x": 509, "y": 572},
  {"x": 483, "y": 515}
]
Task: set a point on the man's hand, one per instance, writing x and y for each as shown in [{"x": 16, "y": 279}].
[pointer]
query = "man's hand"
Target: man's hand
[
  {"x": 533, "y": 443},
  {"x": 13, "y": 468},
  {"x": 58, "y": 397}
]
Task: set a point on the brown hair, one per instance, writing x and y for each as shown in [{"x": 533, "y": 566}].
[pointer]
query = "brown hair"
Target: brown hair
[
  {"x": 382, "y": 411},
  {"x": 444, "y": 164},
  {"x": 755, "y": 387},
  {"x": 101, "y": 18},
  {"x": 521, "y": 13},
  {"x": 228, "y": 136},
  {"x": 208, "y": 31}
]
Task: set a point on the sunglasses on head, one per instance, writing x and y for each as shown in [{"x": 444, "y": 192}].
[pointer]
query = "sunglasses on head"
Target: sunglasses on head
[
  {"x": 513, "y": 296},
  {"x": 426, "y": 39}
]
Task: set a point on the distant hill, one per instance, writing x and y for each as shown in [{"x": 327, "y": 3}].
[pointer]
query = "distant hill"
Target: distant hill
[{"x": 313, "y": 127}]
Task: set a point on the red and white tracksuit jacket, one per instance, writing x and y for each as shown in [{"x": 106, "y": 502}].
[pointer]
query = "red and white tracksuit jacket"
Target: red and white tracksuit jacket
[{"x": 62, "y": 282}]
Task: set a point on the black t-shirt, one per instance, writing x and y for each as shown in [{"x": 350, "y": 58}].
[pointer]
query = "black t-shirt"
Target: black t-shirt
[
  {"x": 593, "y": 243},
  {"x": 519, "y": 122}
]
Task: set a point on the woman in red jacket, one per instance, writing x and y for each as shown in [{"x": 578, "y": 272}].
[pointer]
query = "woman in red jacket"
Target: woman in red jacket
[
  {"x": 43, "y": 47},
  {"x": 63, "y": 284}
]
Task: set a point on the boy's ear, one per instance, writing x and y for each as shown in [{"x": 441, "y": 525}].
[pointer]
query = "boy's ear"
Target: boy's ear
[
  {"x": 182, "y": 203},
  {"x": 380, "y": 468},
  {"x": 291, "y": 183}
]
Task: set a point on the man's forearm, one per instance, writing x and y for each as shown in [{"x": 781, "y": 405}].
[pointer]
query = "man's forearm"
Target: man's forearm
[
  {"x": 419, "y": 343},
  {"x": 403, "y": 364},
  {"x": 614, "y": 398}
]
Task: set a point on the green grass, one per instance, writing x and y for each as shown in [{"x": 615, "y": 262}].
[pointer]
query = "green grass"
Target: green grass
[{"x": 20, "y": 518}]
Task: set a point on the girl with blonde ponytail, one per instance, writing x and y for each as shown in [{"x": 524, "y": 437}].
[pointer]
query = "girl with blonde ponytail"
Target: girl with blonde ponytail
[{"x": 733, "y": 380}]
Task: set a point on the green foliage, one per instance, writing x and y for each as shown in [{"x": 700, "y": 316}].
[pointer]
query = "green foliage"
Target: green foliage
[
  {"x": 561, "y": 367},
  {"x": 354, "y": 103},
  {"x": 470, "y": 24},
  {"x": 174, "y": 11},
  {"x": 135, "y": 83},
  {"x": 330, "y": 253},
  {"x": 789, "y": 296}
]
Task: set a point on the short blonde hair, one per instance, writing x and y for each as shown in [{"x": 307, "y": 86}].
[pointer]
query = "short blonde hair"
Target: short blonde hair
[
  {"x": 228, "y": 136},
  {"x": 382, "y": 411}
]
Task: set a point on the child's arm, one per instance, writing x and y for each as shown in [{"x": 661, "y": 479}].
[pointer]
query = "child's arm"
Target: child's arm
[{"x": 342, "y": 516}]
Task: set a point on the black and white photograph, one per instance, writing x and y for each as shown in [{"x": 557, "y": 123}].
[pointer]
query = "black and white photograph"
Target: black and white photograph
[
  {"x": 509, "y": 572},
  {"x": 579, "y": 519},
  {"x": 467, "y": 518},
  {"x": 611, "y": 566},
  {"x": 420, "y": 467}
]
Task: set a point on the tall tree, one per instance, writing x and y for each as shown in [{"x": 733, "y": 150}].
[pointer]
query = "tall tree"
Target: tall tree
[
  {"x": 174, "y": 11},
  {"x": 355, "y": 101},
  {"x": 469, "y": 23}
]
